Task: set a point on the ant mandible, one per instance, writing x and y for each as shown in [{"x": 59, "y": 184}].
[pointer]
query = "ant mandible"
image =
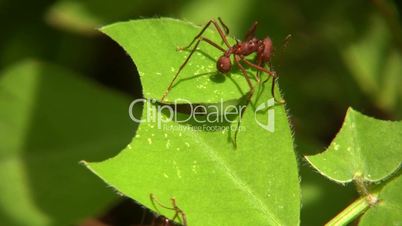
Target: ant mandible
[{"x": 251, "y": 44}]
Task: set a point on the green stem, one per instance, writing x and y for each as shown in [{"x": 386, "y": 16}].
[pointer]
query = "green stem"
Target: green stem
[{"x": 350, "y": 213}]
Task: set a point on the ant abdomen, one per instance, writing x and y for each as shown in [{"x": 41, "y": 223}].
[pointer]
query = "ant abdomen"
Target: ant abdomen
[{"x": 266, "y": 53}]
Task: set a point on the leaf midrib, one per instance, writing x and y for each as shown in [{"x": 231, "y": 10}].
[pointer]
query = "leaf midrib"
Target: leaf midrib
[{"x": 236, "y": 179}]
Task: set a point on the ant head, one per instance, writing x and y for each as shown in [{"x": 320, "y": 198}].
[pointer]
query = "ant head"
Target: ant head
[{"x": 224, "y": 64}]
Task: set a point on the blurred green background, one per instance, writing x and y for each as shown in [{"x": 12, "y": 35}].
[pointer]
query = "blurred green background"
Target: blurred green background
[{"x": 65, "y": 90}]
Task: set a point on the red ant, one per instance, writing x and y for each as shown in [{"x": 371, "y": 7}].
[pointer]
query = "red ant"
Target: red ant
[
  {"x": 251, "y": 44},
  {"x": 179, "y": 214}
]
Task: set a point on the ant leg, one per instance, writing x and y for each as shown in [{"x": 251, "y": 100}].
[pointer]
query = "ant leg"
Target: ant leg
[
  {"x": 251, "y": 31},
  {"x": 224, "y": 26},
  {"x": 185, "y": 62},
  {"x": 178, "y": 212},
  {"x": 261, "y": 64},
  {"x": 273, "y": 90},
  {"x": 274, "y": 77},
  {"x": 237, "y": 60},
  {"x": 209, "y": 41},
  {"x": 239, "y": 122},
  {"x": 218, "y": 28},
  {"x": 259, "y": 67},
  {"x": 155, "y": 201}
]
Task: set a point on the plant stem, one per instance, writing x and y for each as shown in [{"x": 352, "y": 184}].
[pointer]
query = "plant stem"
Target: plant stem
[{"x": 350, "y": 213}]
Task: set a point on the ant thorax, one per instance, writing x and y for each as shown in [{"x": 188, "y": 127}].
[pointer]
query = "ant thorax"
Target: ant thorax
[{"x": 248, "y": 47}]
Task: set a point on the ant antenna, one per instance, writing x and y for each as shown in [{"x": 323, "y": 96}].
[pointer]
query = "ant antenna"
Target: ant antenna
[
  {"x": 286, "y": 42},
  {"x": 224, "y": 26},
  {"x": 179, "y": 214}
]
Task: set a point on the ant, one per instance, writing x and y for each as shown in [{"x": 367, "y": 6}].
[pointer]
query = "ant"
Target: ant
[
  {"x": 179, "y": 214},
  {"x": 251, "y": 44}
]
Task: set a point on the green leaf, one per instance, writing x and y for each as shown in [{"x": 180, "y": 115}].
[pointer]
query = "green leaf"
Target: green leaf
[
  {"x": 213, "y": 183},
  {"x": 152, "y": 44},
  {"x": 388, "y": 210},
  {"x": 200, "y": 11},
  {"x": 376, "y": 64},
  {"x": 86, "y": 15},
  {"x": 49, "y": 120},
  {"x": 364, "y": 147},
  {"x": 74, "y": 16}
]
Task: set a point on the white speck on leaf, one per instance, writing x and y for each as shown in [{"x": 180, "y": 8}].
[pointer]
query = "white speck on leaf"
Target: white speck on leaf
[
  {"x": 178, "y": 172},
  {"x": 149, "y": 141},
  {"x": 336, "y": 146}
]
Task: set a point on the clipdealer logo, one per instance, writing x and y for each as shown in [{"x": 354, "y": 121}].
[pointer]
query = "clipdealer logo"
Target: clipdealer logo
[{"x": 204, "y": 115}]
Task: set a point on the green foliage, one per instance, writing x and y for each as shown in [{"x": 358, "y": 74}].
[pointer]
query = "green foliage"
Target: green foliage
[
  {"x": 388, "y": 210},
  {"x": 343, "y": 53},
  {"x": 376, "y": 66},
  {"x": 49, "y": 120},
  {"x": 211, "y": 180},
  {"x": 366, "y": 150},
  {"x": 364, "y": 147}
]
